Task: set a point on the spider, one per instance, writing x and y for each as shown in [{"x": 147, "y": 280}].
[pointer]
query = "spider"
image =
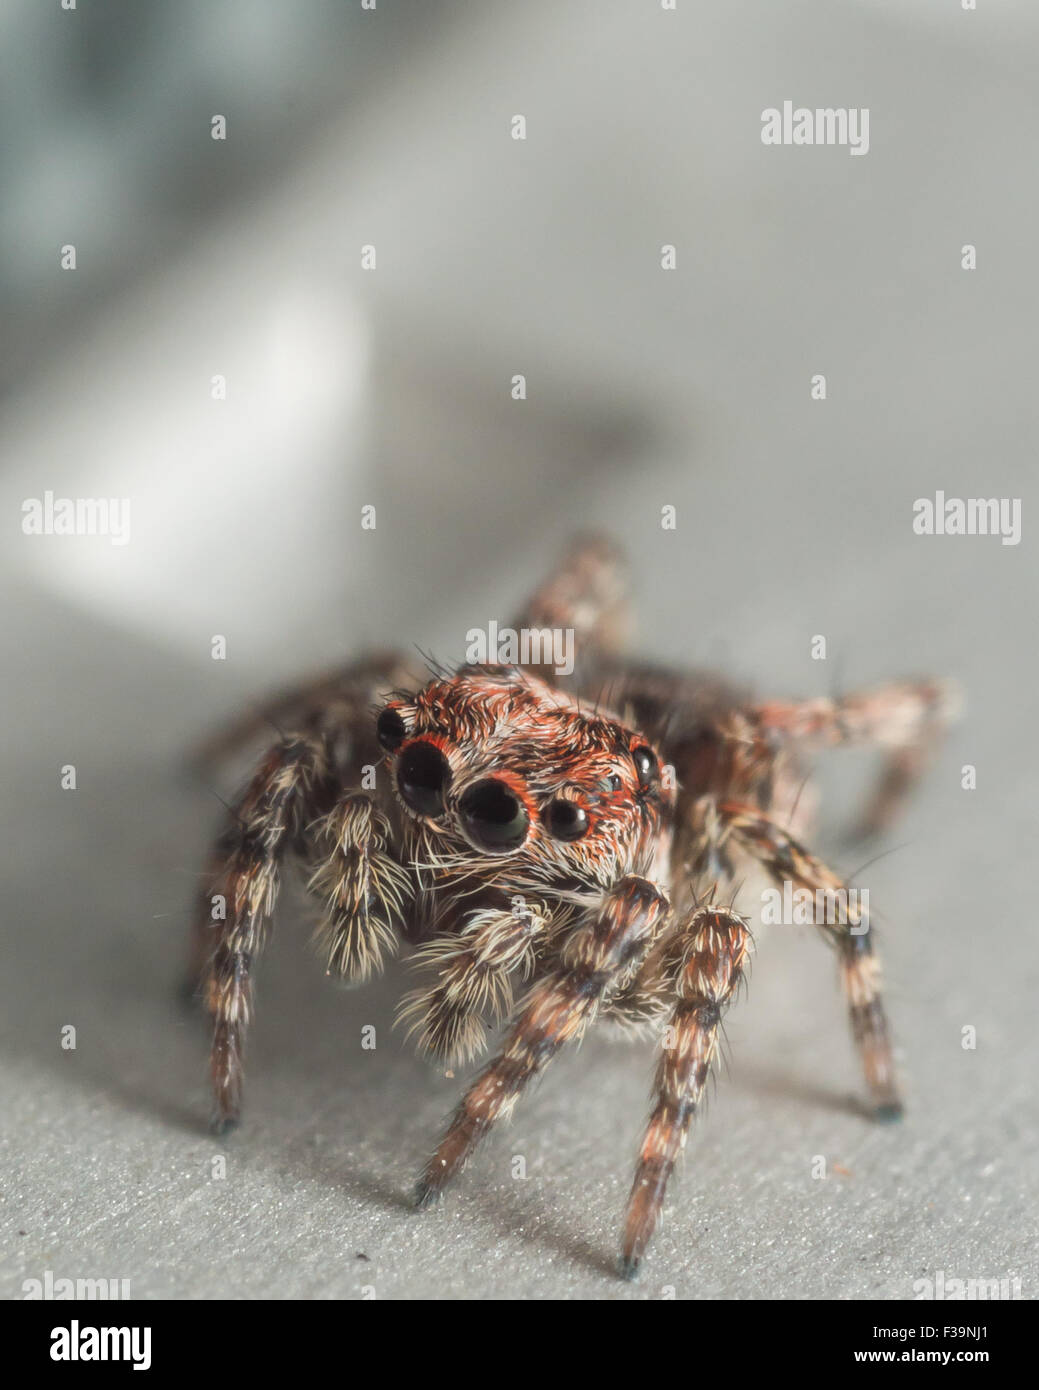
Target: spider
[{"x": 556, "y": 851}]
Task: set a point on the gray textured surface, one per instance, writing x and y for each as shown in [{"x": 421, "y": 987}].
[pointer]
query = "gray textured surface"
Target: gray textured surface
[{"x": 794, "y": 519}]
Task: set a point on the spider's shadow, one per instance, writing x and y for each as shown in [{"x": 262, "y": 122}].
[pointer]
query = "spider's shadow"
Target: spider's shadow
[{"x": 773, "y": 1082}]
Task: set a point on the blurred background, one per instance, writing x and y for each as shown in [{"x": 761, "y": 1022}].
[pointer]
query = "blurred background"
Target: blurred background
[{"x": 392, "y": 387}]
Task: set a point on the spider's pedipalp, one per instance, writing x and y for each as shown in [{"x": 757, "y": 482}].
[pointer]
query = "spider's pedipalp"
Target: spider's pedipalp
[
  {"x": 363, "y": 890},
  {"x": 475, "y": 971}
]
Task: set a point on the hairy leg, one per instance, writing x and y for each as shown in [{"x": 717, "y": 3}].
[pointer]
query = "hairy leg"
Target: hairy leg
[
  {"x": 786, "y": 859},
  {"x": 906, "y": 718},
  {"x": 330, "y": 702},
  {"x": 705, "y": 958},
  {"x": 285, "y": 792},
  {"x": 602, "y": 952},
  {"x": 585, "y": 594}
]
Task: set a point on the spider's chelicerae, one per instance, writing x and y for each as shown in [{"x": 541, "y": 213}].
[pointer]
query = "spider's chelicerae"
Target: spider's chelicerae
[{"x": 556, "y": 851}]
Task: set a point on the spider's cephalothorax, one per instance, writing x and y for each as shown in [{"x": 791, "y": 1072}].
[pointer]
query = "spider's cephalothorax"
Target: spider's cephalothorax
[
  {"x": 576, "y": 837},
  {"x": 509, "y": 785}
]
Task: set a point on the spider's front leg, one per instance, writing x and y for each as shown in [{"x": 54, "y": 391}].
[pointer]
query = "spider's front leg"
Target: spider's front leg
[
  {"x": 598, "y": 954},
  {"x": 289, "y": 788},
  {"x": 785, "y": 859},
  {"x": 705, "y": 958}
]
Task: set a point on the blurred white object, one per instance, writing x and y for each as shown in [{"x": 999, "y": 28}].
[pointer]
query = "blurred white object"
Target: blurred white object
[{"x": 231, "y": 499}]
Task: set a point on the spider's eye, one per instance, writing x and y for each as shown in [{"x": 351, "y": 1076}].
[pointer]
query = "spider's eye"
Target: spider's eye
[
  {"x": 493, "y": 818},
  {"x": 422, "y": 776},
  {"x": 390, "y": 730},
  {"x": 645, "y": 765},
  {"x": 566, "y": 820}
]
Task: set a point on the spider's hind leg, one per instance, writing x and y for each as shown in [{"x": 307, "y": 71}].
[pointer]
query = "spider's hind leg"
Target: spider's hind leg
[
  {"x": 908, "y": 719},
  {"x": 586, "y": 594},
  {"x": 785, "y": 859}
]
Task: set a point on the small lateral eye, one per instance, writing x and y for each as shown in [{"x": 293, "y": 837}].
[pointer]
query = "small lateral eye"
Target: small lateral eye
[
  {"x": 645, "y": 765},
  {"x": 390, "y": 730},
  {"x": 565, "y": 820}
]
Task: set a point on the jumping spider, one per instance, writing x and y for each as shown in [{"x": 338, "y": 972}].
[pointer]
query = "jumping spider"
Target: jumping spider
[{"x": 578, "y": 837}]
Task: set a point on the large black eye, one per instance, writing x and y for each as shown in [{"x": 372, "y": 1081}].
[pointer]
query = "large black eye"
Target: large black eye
[
  {"x": 390, "y": 730},
  {"x": 566, "y": 820},
  {"x": 422, "y": 776},
  {"x": 645, "y": 765},
  {"x": 493, "y": 818}
]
